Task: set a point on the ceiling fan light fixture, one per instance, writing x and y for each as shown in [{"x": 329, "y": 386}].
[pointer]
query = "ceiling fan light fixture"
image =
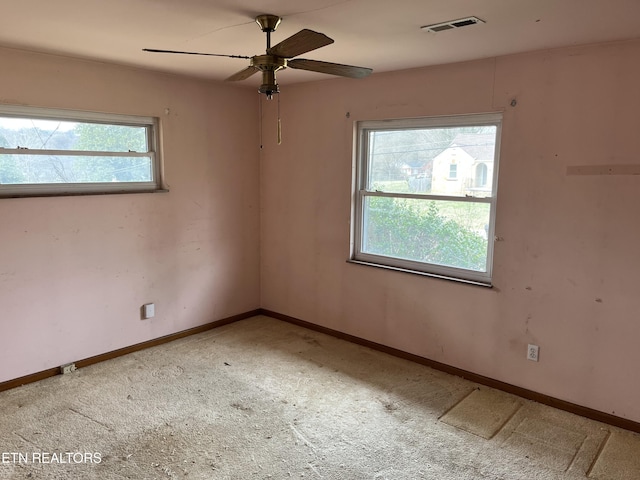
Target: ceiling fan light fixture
[{"x": 269, "y": 85}]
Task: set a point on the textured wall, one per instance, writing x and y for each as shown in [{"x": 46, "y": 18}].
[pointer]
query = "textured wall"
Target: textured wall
[
  {"x": 566, "y": 269},
  {"x": 74, "y": 271}
]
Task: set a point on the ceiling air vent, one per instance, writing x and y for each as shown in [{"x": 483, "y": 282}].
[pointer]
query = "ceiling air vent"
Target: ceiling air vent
[{"x": 463, "y": 22}]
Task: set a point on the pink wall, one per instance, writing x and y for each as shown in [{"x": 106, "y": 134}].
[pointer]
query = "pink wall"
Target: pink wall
[
  {"x": 566, "y": 270},
  {"x": 239, "y": 230},
  {"x": 74, "y": 271}
]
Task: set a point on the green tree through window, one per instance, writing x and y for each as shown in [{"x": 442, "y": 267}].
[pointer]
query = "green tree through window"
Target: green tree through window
[{"x": 57, "y": 151}]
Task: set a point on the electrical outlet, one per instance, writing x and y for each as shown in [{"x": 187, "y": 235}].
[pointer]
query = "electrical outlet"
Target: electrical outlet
[
  {"x": 68, "y": 368},
  {"x": 533, "y": 352}
]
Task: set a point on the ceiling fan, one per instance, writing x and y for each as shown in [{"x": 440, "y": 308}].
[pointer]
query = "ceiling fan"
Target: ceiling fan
[{"x": 281, "y": 56}]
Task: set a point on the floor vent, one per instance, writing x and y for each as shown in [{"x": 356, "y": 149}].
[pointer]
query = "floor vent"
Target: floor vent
[{"x": 463, "y": 22}]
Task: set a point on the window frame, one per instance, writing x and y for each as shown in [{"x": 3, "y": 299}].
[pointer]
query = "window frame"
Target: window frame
[
  {"x": 361, "y": 173},
  {"x": 152, "y": 127}
]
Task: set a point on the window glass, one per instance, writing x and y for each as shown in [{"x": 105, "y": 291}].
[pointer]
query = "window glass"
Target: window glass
[
  {"x": 65, "y": 135},
  {"x": 38, "y": 169},
  {"x": 445, "y": 233},
  {"x": 420, "y": 160}
]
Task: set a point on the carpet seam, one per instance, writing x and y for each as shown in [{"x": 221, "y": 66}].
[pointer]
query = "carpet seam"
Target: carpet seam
[
  {"x": 597, "y": 456},
  {"x": 457, "y": 403}
]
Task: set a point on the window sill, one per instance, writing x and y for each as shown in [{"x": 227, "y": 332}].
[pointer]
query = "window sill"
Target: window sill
[
  {"x": 424, "y": 274},
  {"x": 77, "y": 194}
]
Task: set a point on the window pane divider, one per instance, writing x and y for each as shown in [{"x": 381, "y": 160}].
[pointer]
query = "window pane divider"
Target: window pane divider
[{"x": 422, "y": 196}]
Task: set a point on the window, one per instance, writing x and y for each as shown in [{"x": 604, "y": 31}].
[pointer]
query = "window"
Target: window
[
  {"x": 481, "y": 175},
  {"x": 61, "y": 152},
  {"x": 415, "y": 219}
]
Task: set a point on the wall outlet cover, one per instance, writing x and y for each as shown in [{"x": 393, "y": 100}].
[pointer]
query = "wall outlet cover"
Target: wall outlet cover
[
  {"x": 533, "y": 352},
  {"x": 68, "y": 368}
]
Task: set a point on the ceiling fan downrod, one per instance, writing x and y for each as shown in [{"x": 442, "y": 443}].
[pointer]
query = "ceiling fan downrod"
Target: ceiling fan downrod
[{"x": 268, "y": 23}]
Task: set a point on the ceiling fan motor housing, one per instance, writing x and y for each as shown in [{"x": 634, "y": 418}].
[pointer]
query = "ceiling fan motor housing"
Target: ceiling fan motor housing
[{"x": 268, "y": 65}]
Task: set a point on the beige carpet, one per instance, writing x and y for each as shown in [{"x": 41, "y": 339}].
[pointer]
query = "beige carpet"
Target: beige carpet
[
  {"x": 620, "y": 456},
  {"x": 483, "y": 412},
  {"x": 264, "y": 399}
]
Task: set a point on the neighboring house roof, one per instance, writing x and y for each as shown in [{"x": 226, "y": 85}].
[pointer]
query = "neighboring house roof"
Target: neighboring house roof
[
  {"x": 421, "y": 163},
  {"x": 479, "y": 146}
]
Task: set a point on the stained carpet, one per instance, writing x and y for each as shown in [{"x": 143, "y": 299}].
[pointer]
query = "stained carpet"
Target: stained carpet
[{"x": 265, "y": 399}]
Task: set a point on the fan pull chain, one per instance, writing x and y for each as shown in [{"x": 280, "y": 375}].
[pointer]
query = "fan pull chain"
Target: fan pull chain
[
  {"x": 260, "y": 117},
  {"x": 279, "y": 124}
]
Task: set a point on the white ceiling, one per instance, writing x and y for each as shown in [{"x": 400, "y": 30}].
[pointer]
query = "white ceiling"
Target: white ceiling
[{"x": 380, "y": 34}]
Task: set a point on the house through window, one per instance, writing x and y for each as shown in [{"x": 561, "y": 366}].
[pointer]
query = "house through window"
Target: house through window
[{"x": 426, "y": 194}]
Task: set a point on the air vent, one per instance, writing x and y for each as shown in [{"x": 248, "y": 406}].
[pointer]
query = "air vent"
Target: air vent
[{"x": 463, "y": 22}]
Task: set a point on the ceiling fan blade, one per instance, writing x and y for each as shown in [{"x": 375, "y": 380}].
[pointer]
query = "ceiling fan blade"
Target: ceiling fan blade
[
  {"x": 154, "y": 50},
  {"x": 330, "y": 68},
  {"x": 299, "y": 43},
  {"x": 242, "y": 74}
]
